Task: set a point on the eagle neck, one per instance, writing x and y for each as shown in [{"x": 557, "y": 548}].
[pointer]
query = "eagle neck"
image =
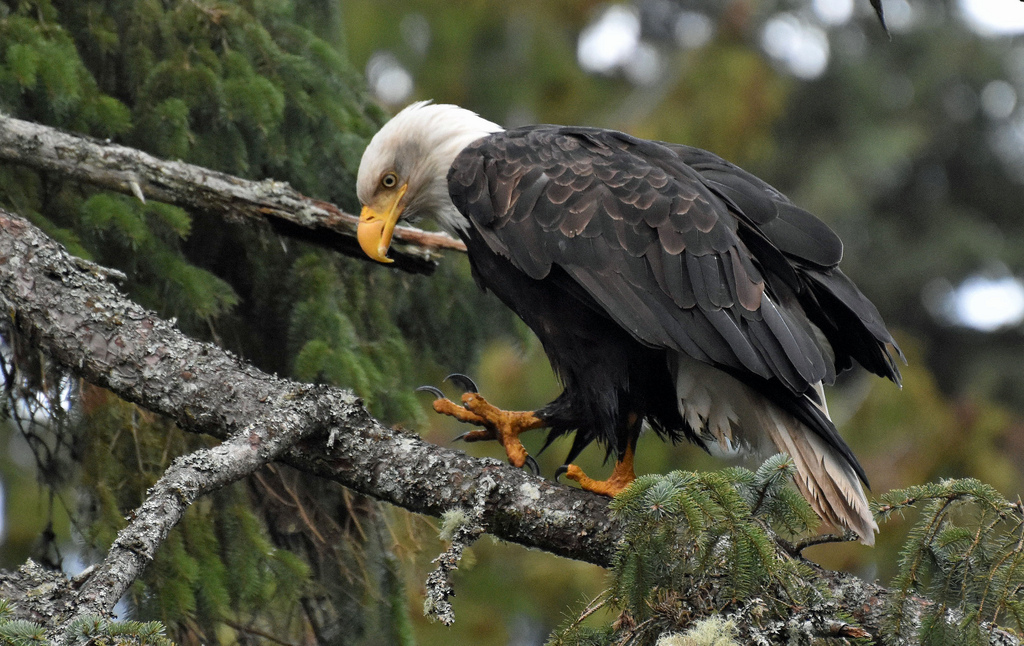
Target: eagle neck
[{"x": 450, "y": 132}]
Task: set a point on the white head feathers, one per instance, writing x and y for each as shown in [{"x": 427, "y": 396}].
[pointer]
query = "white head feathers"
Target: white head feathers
[{"x": 419, "y": 145}]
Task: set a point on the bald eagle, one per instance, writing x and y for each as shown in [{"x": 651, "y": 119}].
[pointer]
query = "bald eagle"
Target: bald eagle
[{"x": 666, "y": 285}]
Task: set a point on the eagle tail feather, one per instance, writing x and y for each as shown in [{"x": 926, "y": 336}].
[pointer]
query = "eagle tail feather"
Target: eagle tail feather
[
  {"x": 825, "y": 479},
  {"x": 718, "y": 407}
]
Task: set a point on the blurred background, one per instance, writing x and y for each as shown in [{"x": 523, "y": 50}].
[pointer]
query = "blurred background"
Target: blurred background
[{"x": 911, "y": 147}]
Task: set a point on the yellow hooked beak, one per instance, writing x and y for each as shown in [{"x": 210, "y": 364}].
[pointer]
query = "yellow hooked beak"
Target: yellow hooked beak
[{"x": 377, "y": 225}]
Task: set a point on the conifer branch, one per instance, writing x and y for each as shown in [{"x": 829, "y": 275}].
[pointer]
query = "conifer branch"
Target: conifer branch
[
  {"x": 81, "y": 321},
  {"x": 133, "y": 172}
]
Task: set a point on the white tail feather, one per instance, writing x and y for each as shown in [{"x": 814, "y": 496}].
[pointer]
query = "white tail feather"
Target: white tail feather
[
  {"x": 725, "y": 410},
  {"x": 824, "y": 478}
]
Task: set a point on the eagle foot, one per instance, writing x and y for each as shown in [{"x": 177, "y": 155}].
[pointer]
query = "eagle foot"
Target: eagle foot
[
  {"x": 500, "y": 425},
  {"x": 622, "y": 476}
]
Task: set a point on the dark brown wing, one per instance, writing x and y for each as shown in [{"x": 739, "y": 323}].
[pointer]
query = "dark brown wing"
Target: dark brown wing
[
  {"x": 638, "y": 228},
  {"x": 848, "y": 319}
]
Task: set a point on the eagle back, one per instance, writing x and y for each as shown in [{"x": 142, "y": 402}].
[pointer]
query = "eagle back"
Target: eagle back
[{"x": 683, "y": 248}]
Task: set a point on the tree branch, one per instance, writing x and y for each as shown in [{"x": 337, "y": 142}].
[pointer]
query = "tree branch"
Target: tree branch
[
  {"x": 188, "y": 478},
  {"x": 81, "y": 321},
  {"x": 131, "y": 171}
]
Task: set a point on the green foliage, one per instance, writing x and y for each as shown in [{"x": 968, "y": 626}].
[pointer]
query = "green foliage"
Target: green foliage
[
  {"x": 712, "y": 532},
  {"x": 20, "y": 632},
  {"x": 218, "y": 565},
  {"x": 84, "y": 630},
  {"x": 697, "y": 548},
  {"x": 42, "y": 78},
  {"x": 582, "y": 636},
  {"x": 250, "y": 89},
  {"x": 966, "y": 553},
  {"x": 103, "y": 632},
  {"x": 342, "y": 332},
  {"x": 695, "y": 529},
  {"x": 235, "y": 87},
  {"x": 247, "y": 89},
  {"x": 147, "y": 237}
]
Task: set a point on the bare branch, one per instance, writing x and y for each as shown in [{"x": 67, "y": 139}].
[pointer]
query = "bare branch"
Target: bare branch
[
  {"x": 83, "y": 322},
  {"x": 188, "y": 478},
  {"x": 134, "y": 172}
]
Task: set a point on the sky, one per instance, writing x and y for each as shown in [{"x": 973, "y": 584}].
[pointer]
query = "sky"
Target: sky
[{"x": 994, "y": 18}]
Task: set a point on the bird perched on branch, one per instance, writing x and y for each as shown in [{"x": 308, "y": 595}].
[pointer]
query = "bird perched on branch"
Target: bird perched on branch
[{"x": 666, "y": 285}]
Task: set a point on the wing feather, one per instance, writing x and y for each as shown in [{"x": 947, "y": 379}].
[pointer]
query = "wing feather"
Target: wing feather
[
  {"x": 528, "y": 191},
  {"x": 557, "y": 193},
  {"x": 680, "y": 248},
  {"x": 803, "y": 252},
  {"x": 548, "y": 189},
  {"x": 667, "y": 269}
]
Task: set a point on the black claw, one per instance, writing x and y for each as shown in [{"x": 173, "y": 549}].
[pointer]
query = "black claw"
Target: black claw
[
  {"x": 461, "y": 437},
  {"x": 436, "y": 392},
  {"x": 462, "y": 381},
  {"x": 532, "y": 465},
  {"x": 560, "y": 471}
]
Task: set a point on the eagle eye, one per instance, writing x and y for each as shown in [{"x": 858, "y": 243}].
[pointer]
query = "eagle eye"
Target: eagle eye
[{"x": 389, "y": 180}]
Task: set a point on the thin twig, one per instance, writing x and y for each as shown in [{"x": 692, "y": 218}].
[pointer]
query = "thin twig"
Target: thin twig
[
  {"x": 797, "y": 549},
  {"x": 439, "y": 584},
  {"x": 255, "y": 631}
]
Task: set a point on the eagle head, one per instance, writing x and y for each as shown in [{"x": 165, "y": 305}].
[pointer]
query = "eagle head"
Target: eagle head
[{"x": 404, "y": 171}]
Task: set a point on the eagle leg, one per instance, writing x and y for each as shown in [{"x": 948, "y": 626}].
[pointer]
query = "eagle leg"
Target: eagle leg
[
  {"x": 501, "y": 425},
  {"x": 621, "y": 477}
]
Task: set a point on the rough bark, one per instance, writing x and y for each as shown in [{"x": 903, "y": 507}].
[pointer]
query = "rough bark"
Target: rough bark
[
  {"x": 39, "y": 594},
  {"x": 134, "y": 172},
  {"x": 70, "y": 311},
  {"x": 83, "y": 322},
  {"x": 188, "y": 478}
]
